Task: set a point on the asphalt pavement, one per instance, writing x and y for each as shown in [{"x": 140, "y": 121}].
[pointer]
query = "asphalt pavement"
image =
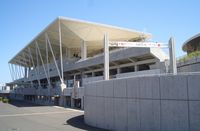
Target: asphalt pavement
[{"x": 23, "y": 116}]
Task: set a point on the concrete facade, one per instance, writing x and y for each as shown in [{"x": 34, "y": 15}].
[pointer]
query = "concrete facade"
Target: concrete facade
[{"x": 147, "y": 103}]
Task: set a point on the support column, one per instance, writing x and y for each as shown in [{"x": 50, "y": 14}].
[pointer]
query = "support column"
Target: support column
[
  {"x": 136, "y": 68},
  {"x": 35, "y": 68},
  {"x": 83, "y": 50},
  {"x": 82, "y": 103},
  {"x": 11, "y": 74},
  {"x": 62, "y": 85},
  {"x": 173, "y": 67},
  {"x": 106, "y": 57},
  {"x": 61, "y": 57},
  {"x": 26, "y": 72},
  {"x": 82, "y": 77},
  {"x": 118, "y": 70},
  {"x": 68, "y": 53},
  {"x": 93, "y": 74}
]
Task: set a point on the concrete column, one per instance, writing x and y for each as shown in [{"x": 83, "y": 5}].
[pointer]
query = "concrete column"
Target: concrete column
[
  {"x": 106, "y": 57},
  {"x": 26, "y": 72},
  {"x": 68, "y": 53},
  {"x": 93, "y": 74},
  {"x": 118, "y": 70},
  {"x": 83, "y": 50},
  {"x": 173, "y": 67},
  {"x": 72, "y": 102},
  {"x": 82, "y": 76},
  {"x": 82, "y": 103},
  {"x": 136, "y": 68}
]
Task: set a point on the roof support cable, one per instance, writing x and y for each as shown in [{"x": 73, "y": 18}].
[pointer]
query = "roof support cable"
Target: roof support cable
[
  {"x": 35, "y": 69},
  {"x": 61, "y": 57},
  {"x": 42, "y": 63},
  {"x": 26, "y": 71},
  {"x": 53, "y": 57},
  {"x": 17, "y": 72},
  {"x": 16, "y": 75},
  {"x": 21, "y": 71},
  {"x": 47, "y": 57},
  {"x": 48, "y": 74},
  {"x": 11, "y": 74}
]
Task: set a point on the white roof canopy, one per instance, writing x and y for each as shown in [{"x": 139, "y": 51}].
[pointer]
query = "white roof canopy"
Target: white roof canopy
[{"x": 73, "y": 33}]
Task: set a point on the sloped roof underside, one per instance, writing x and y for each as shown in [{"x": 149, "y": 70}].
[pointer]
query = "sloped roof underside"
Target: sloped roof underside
[
  {"x": 73, "y": 33},
  {"x": 191, "y": 42}
]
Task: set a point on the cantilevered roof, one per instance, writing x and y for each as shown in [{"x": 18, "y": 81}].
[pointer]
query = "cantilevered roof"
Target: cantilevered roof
[
  {"x": 73, "y": 33},
  {"x": 191, "y": 42}
]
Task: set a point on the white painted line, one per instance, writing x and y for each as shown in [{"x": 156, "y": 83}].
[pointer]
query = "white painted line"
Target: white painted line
[{"x": 31, "y": 114}]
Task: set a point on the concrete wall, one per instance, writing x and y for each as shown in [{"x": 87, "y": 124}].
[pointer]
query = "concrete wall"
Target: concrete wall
[
  {"x": 92, "y": 79},
  {"x": 139, "y": 73},
  {"x": 191, "y": 65},
  {"x": 151, "y": 103}
]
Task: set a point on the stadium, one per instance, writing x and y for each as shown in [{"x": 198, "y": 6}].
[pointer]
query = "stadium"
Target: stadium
[{"x": 53, "y": 68}]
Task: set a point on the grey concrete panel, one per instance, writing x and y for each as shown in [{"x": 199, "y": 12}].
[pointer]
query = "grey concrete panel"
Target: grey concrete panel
[
  {"x": 86, "y": 86},
  {"x": 173, "y": 87},
  {"x": 88, "y": 110},
  {"x": 92, "y": 89},
  {"x": 93, "y": 110},
  {"x": 174, "y": 115},
  {"x": 109, "y": 113},
  {"x": 100, "y": 89},
  {"x": 120, "y": 114},
  {"x": 133, "y": 115},
  {"x": 100, "y": 112},
  {"x": 133, "y": 87},
  {"x": 194, "y": 111},
  {"x": 86, "y": 89},
  {"x": 119, "y": 88},
  {"x": 149, "y": 87},
  {"x": 108, "y": 88},
  {"x": 194, "y": 87},
  {"x": 150, "y": 115}
]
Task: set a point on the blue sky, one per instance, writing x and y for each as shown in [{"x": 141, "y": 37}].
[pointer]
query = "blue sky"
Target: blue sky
[{"x": 22, "y": 20}]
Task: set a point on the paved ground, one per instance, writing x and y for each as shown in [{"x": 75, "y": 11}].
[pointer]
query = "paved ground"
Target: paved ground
[{"x": 21, "y": 116}]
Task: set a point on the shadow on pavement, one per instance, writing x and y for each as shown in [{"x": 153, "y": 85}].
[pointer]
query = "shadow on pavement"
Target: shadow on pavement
[
  {"x": 19, "y": 103},
  {"x": 78, "y": 122}
]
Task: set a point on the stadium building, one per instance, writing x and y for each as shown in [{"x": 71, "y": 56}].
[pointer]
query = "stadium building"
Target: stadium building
[{"x": 54, "y": 67}]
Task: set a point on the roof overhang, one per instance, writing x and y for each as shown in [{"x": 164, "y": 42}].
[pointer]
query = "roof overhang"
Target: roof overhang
[
  {"x": 73, "y": 33},
  {"x": 191, "y": 41}
]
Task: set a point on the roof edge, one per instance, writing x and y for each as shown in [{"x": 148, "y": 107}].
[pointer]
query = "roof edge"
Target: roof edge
[
  {"x": 186, "y": 42},
  {"x": 147, "y": 35},
  {"x": 35, "y": 37},
  {"x": 106, "y": 25}
]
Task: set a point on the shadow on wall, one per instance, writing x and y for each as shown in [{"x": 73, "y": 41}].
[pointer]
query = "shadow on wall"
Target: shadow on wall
[{"x": 78, "y": 122}]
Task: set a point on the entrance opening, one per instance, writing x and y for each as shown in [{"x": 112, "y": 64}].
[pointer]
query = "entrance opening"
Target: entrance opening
[
  {"x": 77, "y": 103},
  {"x": 56, "y": 101}
]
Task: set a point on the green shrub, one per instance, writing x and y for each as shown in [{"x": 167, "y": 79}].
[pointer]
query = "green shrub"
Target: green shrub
[
  {"x": 1, "y": 98},
  {"x": 5, "y": 100},
  {"x": 190, "y": 56}
]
